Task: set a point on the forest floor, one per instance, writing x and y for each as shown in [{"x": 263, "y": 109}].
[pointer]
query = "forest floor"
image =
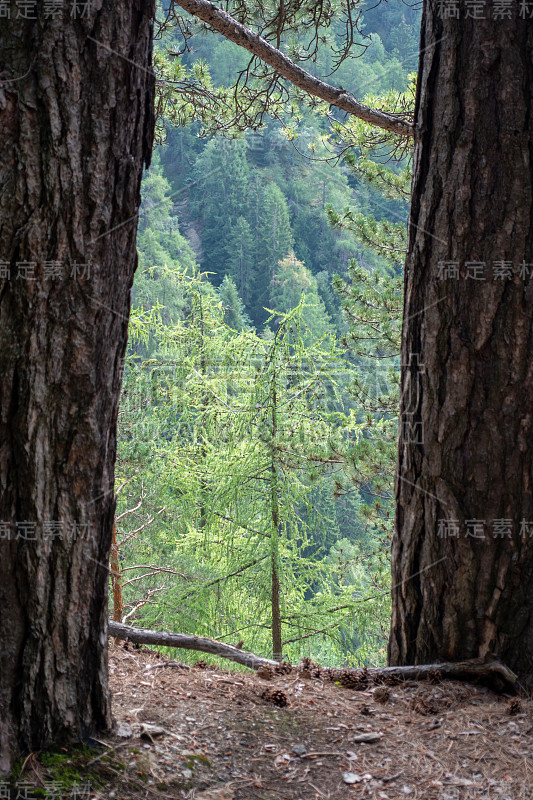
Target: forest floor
[{"x": 204, "y": 733}]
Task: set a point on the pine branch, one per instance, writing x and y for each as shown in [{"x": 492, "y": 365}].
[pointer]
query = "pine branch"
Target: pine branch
[
  {"x": 225, "y": 24},
  {"x": 225, "y": 577}
]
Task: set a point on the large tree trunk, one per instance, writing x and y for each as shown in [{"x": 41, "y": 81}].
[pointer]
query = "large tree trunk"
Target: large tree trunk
[
  {"x": 76, "y": 124},
  {"x": 466, "y": 439}
]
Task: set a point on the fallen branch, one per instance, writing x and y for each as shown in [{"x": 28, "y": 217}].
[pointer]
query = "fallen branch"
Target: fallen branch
[
  {"x": 188, "y": 642},
  {"x": 490, "y": 671}
]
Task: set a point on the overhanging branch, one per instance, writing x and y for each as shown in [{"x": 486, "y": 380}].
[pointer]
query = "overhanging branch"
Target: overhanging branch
[{"x": 224, "y": 23}]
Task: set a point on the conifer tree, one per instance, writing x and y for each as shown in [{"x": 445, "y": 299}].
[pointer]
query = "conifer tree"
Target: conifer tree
[
  {"x": 239, "y": 439},
  {"x": 273, "y": 240},
  {"x": 235, "y": 316},
  {"x": 292, "y": 283},
  {"x": 219, "y": 196},
  {"x": 240, "y": 254}
]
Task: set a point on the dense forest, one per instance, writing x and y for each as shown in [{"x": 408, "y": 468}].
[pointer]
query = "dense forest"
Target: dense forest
[
  {"x": 258, "y": 420},
  {"x": 266, "y": 364}
]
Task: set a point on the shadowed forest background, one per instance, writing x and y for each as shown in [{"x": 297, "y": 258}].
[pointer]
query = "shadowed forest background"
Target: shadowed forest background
[{"x": 258, "y": 419}]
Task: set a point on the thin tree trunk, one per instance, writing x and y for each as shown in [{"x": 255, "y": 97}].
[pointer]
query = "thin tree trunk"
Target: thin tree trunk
[
  {"x": 203, "y": 419},
  {"x": 277, "y": 646},
  {"x": 76, "y": 124},
  {"x": 116, "y": 577},
  {"x": 463, "y": 546}
]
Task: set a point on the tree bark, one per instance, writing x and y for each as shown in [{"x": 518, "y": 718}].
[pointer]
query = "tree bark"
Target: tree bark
[
  {"x": 489, "y": 672},
  {"x": 76, "y": 124},
  {"x": 466, "y": 439}
]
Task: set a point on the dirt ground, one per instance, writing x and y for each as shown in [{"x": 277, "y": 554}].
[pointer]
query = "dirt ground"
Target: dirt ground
[{"x": 203, "y": 733}]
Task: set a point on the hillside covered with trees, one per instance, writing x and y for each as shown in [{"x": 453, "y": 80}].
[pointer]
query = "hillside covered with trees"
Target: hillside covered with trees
[{"x": 258, "y": 424}]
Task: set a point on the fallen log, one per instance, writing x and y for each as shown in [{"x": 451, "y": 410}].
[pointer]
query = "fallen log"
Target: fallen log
[
  {"x": 489, "y": 671},
  {"x": 188, "y": 642}
]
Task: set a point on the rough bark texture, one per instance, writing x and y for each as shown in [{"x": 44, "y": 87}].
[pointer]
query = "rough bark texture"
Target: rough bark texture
[
  {"x": 76, "y": 124},
  {"x": 466, "y": 443},
  {"x": 489, "y": 672}
]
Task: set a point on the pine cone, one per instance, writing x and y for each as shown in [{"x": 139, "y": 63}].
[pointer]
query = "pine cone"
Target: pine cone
[
  {"x": 354, "y": 679},
  {"x": 426, "y": 705},
  {"x": 309, "y": 664},
  {"x": 392, "y": 680},
  {"x": 514, "y": 707},
  {"x": 201, "y": 664},
  {"x": 435, "y": 676},
  {"x": 265, "y": 672},
  {"x": 284, "y": 668},
  {"x": 382, "y": 694},
  {"x": 275, "y": 696}
]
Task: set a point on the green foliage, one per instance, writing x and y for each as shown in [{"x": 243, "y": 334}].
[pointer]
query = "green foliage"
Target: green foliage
[
  {"x": 291, "y": 284},
  {"x": 161, "y": 248},
  {"x": 239, "y": 436},
  {"x": 256, "y": 466},
  {"x": 240, "y": 253},
  {"x": 372, "y": 304},
  {"x": 213, "y": 81},
  {"x": 219, "y": 199},
  {"x": 384, "y": 237},
  {"x": 235, "y": 317}
]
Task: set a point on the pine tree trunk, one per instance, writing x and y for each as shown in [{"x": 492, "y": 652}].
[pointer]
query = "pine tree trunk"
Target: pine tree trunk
[
  {"x": 464, "y": 589},
  {"x": 76, "y": 124}
]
